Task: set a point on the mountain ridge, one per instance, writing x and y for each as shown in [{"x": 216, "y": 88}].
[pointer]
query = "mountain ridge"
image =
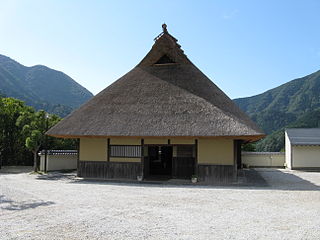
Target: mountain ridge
[
  {"x": 284, "y": 106},
  {"x": 41, "y": 87}
]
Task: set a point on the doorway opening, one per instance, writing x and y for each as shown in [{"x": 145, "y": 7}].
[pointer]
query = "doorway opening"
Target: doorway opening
[
  {"x": 164, "y": 162},
  {"x": 160, "y": 161}
]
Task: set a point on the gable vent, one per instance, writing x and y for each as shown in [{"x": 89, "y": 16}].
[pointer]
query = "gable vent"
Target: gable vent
[{"x": 165, "y": 60}]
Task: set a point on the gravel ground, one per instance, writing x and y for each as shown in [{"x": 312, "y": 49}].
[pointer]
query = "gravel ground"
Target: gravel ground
[{"x": 60, "y": 206}]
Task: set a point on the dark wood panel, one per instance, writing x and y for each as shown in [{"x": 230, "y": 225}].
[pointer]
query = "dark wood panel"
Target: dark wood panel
[
  {"x": 109, "y": 170},
  {"x": 146, "y": 167},
  {"x": 237, "y": 153},
  {"x": 124, "y": 170},
  {"x": 216, "y": 173},
  {"x": 183, "y": 167},
  {"x": 91, "y": 169}
]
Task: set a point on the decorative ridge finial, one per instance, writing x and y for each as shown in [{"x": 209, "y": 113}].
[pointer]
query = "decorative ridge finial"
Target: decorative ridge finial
[
  {"x": 164, "y": 28},
  {"x": 164, "y": 31}
]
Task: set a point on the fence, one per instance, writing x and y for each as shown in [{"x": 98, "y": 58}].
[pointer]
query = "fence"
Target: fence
[
  {"x": 263, "y": 159},
  {"x": 59, "y": 160}
]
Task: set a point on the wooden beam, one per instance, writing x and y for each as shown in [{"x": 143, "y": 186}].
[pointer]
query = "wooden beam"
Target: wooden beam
[{"x": 249, "y": 138}]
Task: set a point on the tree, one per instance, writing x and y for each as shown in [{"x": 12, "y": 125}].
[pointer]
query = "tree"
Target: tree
[
  {"x": 13, "y": 151},
  {"x": 35, "y": 125},
  {"x": 33, "y": 142},
  {"x": 34, "y": 128},
  {"x": 22, "y": 133},
  {"x": 249, "y": 147}
]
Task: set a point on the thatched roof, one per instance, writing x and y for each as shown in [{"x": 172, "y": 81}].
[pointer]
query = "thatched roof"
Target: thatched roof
[{"x": 164, "y": 95}]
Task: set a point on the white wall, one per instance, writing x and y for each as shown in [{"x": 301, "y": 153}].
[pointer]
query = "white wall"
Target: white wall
[
  {"x": 288, "y": 151},
  {"x": 59, "y": 162},
  {"x": 263, "y": 159},
  {"x": 305, "y": 156}
]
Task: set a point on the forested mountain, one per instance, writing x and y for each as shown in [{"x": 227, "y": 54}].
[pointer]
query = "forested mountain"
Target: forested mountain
[
  {"x": 293, "y": 104},
  {"x": 41, "y": 87}
]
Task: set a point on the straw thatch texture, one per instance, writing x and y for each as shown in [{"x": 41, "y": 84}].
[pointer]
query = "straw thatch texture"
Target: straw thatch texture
[{"x": 173, "y": 99}]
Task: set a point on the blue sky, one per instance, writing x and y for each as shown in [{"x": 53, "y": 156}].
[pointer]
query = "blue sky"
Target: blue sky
[{"x": 245, "y": 47}]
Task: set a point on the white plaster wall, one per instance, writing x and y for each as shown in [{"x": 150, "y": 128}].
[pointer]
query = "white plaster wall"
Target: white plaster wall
[
  {"x": 306, "y": 156},
  {"x": 59, "y": 162},
  {"x": 252, "y": 159},
  {"x": 287, "y": 151}
]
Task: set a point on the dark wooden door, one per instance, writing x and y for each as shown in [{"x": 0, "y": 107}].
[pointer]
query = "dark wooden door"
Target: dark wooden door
[
  {"x": 184, "y": 162},
  {"x": 183, "y": 167}
]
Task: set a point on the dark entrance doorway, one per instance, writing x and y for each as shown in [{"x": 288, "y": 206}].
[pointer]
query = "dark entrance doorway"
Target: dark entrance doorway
[
  {"x": 160, "y": 160},
  {"x": 163, "y": 162}
]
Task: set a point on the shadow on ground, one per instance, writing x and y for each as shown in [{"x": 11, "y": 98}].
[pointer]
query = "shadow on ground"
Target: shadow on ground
[
  {"x": 287, "y": 180},
  {"x": 15, "y": 169},
  {"x": 58, "y": 176},
  {"x": 261, "y": 178},
  {"x": 7, "y": 204}
]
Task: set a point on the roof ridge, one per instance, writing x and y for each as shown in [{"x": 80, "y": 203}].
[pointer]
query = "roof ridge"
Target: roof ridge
[{"x": 165, "y": 44}]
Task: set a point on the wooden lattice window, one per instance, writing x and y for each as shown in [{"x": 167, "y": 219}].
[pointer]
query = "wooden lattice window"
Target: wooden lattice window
[
  {"x": 185, "y": 151},
  {"x": 125, "y": 151}
]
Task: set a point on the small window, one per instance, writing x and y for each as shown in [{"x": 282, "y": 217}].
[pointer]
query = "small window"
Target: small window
[
  {"x": 165, "y": 60},
  {"x": 125, "y": 151}
]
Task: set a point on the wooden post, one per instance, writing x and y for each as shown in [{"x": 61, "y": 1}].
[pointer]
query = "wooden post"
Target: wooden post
[
  {"x": 239, "y": 157},
  {"x": 235, "y": 167},
  {"x": 196, "y": 158},
  {"x": 107, "y": 173},
  {"x": 78, "y": 156},
  {"x": 108, "y": 150},
  {"x": 142, "y": 158}
]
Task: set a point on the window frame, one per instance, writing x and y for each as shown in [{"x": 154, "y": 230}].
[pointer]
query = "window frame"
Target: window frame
[{"x": 125, "y": 151}]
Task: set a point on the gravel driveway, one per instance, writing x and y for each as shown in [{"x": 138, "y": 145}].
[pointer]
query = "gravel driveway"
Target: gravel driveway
[{"x": 59, "y": 206}]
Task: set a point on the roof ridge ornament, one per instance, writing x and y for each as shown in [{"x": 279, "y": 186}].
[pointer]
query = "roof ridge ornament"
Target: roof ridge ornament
[{"x": 164, "y": 30}]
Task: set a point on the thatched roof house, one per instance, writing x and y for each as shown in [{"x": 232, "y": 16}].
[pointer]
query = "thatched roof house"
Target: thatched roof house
[{"x": 162, "y": 105}]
